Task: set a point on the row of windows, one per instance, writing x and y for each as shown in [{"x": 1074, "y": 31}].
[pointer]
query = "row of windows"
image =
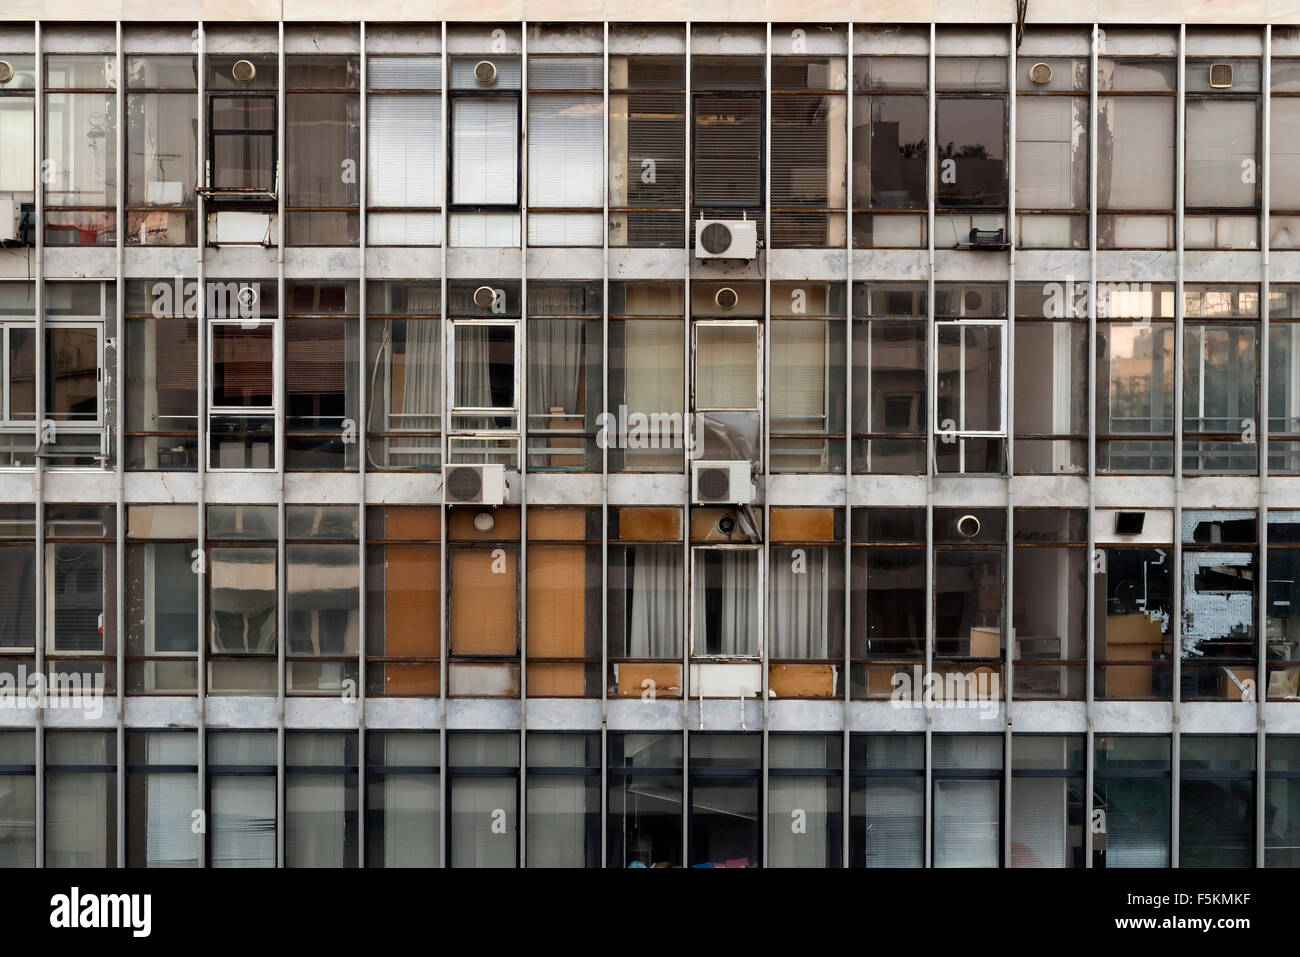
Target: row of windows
[
  {"x": 480, "y": 162},
  {"x": 702, "y": 593},
  {"x": 719, "y": 812},
  {"x": 496, "y": 380}
]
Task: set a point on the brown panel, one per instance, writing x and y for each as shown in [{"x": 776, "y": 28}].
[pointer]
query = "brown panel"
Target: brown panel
[
  {"x": 505, "y": 528},
  {"x": 802, "y": 525},
  {"x": 484, "y": 603},
  {"x": 552, "y": 680},
  {"x": 408, "y": 680},
  {"x": 667, "y": 679},
  {"x": 557, "y": 595},
  {"x": 802, "y": 681},
  {"x": 650, "y": 524},
  {"x": 412, "y": 521},
  {"x": 411, "y": 607},
  {"x": 557, "y": 524}
]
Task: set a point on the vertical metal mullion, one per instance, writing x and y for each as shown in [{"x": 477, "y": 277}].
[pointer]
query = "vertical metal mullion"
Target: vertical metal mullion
[
  {"x": 119, "y": 331},
  {"x": 521, "y": 580},
  {"x": 38, "y": 463},
  {"x": 201, "y": 452},
  {"x": 845, "y": 778},
  {"x": 1176, "y": 654},
  {"x": 604, "y": 465},
  {"x": 1091, "y": 579},
  {"x": 766, "y": 438},
  {"x": 362, "y": 446},
  {"x": 1009, "y": 420},
  {"x": 1261, "y": 436},
  {"x": 444, "y": 821},
  {"x": 280, "y": 401},
  {"x": 929, "y": 442},
  {"x": 688, "y": 115}
]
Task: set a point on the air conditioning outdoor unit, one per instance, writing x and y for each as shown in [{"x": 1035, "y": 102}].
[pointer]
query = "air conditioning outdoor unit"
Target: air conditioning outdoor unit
[
  {"x": 721, "y": 483},
  {"x": 474, "y": 484},
  {"x": 726, "y": 239}
]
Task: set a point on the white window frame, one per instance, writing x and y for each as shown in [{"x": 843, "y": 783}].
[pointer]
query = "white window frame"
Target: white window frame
[
  {"x": 754, "y": 324},
  {"x": 252, "y": 412},
  {"x": 760, "y": 603},
  {"x": 961, "y": 432}
]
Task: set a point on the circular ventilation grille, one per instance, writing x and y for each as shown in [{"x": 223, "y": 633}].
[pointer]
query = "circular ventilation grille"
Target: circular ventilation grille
[
  {"x": 463, "y": 484},
  {"x": 726, "y": 297},
  {"x": 968, "y": 526},
  {"x": 715, "y": 238},
  {"x": 243, "y": 71},
  {"x": 485, "y": 72},
  {"x": 973, "y": 301},
  {"x": 6, "y": 71},
  {"x": 1040, "y": 73},
  {"x": 483, "y": 297},
  {"x": 713, "y": 483}
]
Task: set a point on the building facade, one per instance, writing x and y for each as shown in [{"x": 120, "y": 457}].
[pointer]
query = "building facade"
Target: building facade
[{"x": 689, "y": 442}]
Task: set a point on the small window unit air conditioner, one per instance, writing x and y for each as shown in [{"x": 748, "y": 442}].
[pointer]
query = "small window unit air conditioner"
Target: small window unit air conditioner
[
  {"x": 474, "y": 484},
  {"x": 726, "y": 239},
  {"x": 721, "y": 483}
]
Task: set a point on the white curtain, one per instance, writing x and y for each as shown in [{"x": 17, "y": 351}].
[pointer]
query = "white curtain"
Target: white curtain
[
  {"x": 555, "y": 367},
  {"x": 799, "y": 603},
  {"x": 76, "y": 811},
  {"x": 170, "y": 800},
  {"x": 565, "y": 151},
  {"x": 657, "y": 587},
  {"x": 474, "y": 354},
  {"x": 315, "y": 808},
  {"x": 892, "y": 822},
  {"x": 410, "y": 820},
  {"x": 725, "y": 590},
  {"x": 966, "y": 831},
  {"x": 485, "y": 164},
  {"x": 799, "y": 360},
  {"x": 726, "y": 367},
  {"x": 557, "y": 805},
  {"x": 1038, "y": 822},
  {"x": 477, "y": 804},
  {"x": 811, "y": 797},
  {"x": 243, "y": 821},
  {"x": 405, "y": 158}
]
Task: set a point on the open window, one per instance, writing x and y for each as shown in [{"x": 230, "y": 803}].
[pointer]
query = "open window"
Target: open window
[
  {"x": 889, "y": 371},
  {"x": 162, "y": 600},
  {"x": 970, "y": 387},
  {"x": 485, "y": 129},
  {"x": 241, "y": 395},
  {"x": 404, "y": 375},
  {"x": 80, "y": 597},
  {"x": 242, "y": 178},
  {"x": 484, "y": 355}
]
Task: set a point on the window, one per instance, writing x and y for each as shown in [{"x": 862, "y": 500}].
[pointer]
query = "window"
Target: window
[
  {"x": 971, "y": 133},
  {"x": 1047, "y": 789},
  {"x": 79, "y": 320},
  {"x": 1216, "y": 821},
  {"x": 970, "y": 411},
  {"x": 161, "y": 150},
  {"x": 1221, "y": 148},
  {"x": 565, "y": 381},
  {"x": 809, "y": 137},
  {"x": 804, "y": 800},
  {"x": 162, "y": 348},
  {"x": 484, "y": 397},
  {"x": 1133, "y": 638},
  {"x": 1051, "y": 379},
  {"x": 241, "y": 801},
  {"x": 725, "y": 788},
  {"x": 403, "y": 799},
  {"x": 565, "y": 154},
  {"x": 17, "y": 588},
  {"x": 162, "y": 793},
  {"x": 805, "y": 602},
  {"x": 647, "y": 137},
  {"x": 242, "y": 571},
  {"x": 724, "y": 595},
  {"x": 321, "y": 362},
  {"x": 889, "y": 373},
  {"x": 1219, "y": 648},
  {"x": 81, "y": 799},
  {"x": 1282, "y": 608},
  {"x": 646, "y": 379},
  {"x": 1284, "y": 152},
  {"x": 969, "y": 587},
  {"x": 1281, "y": 799},
  {"x": 967, "y": 781},
  {"x": 1220, "y": 373},
  {"x": 1049, "y": 624},
  {"x": 644, "y": 814},
  {"x": 80, "y": 131},
  {"x": 1283, "y": 384},
  {"x": 727, "y": 138},
  {"x": 242, "y": 131},
  {"x": 483, "y": 627},
  {"x": 806, "y": 414},
  {"x": 483, "y": 799},
  {"x": 1135, "y": 140},
  {"x": 162, "y": 599},
  {"x": 18, "y": 798},
  {"x": 485, "y": 132},
  {"x": 404, "y": 376},
  {"x": 727, "y": 385},
  {"x": 18, "y": 431},
  {"x": 564, "y": 596},
  {"x": 320, "y": 799},
  {"x": 81, "y": 597},
  {"x": 646, "y": 591},
  {"x": 403, "y": 607},
  {"x": 322, "y": 585},
  {"x": 18, "y": 152},
  {"x": 1135, "y": 378},
  {"x": 404, "y": 165},
  {"x": 1131, "y": 790},
  {"x": 887, "y": 800},
  {"x": 1052, "y": 141},
  {"x": 888, "y": 595},
  {"x": 241, "y": 386},
  {"x": 564, "y": 800},
  {"x": 322, "y": 138}
]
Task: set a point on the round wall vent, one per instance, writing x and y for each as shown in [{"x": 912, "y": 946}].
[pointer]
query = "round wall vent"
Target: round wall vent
[
  {"x": 715, "y": 238},
  {"x": 243, "y": 71},
  {"x": 6, "y": 71},
  {"x": 484, "y": 296},
  {"x": 485, "y": 72},
  {"x": 968, "y": 526},
  {"x": 726, "y": 298},
  {"x": 464, "y": 484},
  {"x": 1041, "y": 73}
]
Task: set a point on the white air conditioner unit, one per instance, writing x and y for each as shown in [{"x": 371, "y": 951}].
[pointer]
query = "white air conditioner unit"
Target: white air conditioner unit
[
  {"x": 721, "y": 483},
  {"x": 8, "y": 220},
  {"x": 726, "y": 239},
  {"x": 240, "y": 228},
  {"x": 474, "y": 484}
]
